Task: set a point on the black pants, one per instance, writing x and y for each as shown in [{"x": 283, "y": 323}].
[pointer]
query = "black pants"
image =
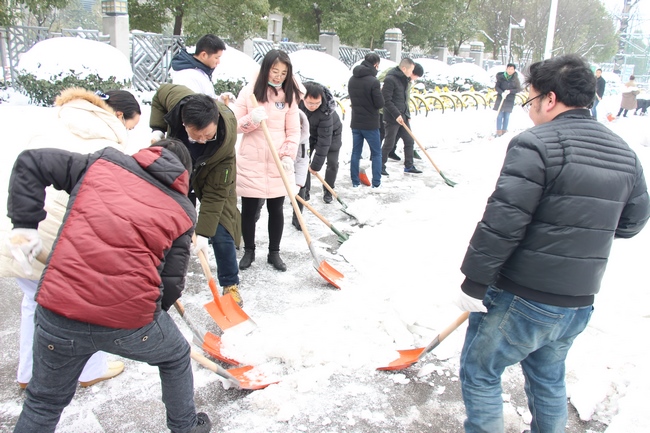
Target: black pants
[
  {"x": 622, "y": 110},
  {"x": 249, "y": 207},
  {"x": 395, "y": 131}
]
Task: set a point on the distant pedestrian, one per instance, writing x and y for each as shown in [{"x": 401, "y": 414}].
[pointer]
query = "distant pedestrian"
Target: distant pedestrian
[
  {"x": 195, "y": 71},
  {"x": 569, "y": 186},
  {"x": 507, "y": 86},
  {"x": 123, "y": 247},
  {"x": 258, "y": 176},
  {"x": 628, "y": 97},
  {"x": 600, "y": 91},
  {"x": 325, "y": 130},
  {"x": 397, "y": 114},
  {"x": 366, "y": 100}
]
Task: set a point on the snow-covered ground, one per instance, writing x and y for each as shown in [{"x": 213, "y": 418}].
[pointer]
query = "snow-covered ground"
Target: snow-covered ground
[{"x": 401, "y": 267}]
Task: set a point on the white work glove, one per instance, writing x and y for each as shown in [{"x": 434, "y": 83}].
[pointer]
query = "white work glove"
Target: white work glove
[
  {"x": 226, "y": 97},
  {"x": 202, "y": 244},
  {"x": 506, "y": 93},
  {"x": 287, "y": 165},
  {"x": 258, "y": 114},
  {"x": 25, "y": 244},
  {"x": 156, "y": 136},
  {"x": 467, "y": 303}
]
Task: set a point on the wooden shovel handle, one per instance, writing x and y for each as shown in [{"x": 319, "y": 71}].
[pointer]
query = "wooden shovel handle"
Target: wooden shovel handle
[{"x": 287, "y": 185}]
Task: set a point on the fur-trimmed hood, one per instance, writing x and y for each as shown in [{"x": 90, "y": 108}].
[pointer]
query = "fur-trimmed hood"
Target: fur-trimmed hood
[{"x": 86, "y": 115}]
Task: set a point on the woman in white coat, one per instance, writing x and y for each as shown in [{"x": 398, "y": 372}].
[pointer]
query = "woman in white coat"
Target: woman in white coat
[
  {"x": 86, "y": 122},
  {"x": 258, "y": 177}
]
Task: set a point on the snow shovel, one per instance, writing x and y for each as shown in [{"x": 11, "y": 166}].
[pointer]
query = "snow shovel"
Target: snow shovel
[
  {"x": 207, "y": 341},
  {"x": 363, "y": 177},
  {"x": 335, "y": 195},
  {"x": 325, "y": 270},
  {"x": 241, "y": 377},
  {"x": 223, "y": 309},
  {"x": 447, "y": 181},
  {"x": 411, "y": 356},
  {"x": 342, "y": 236}
]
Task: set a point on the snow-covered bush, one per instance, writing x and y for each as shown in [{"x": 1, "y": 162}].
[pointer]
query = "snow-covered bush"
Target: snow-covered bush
[
  {"x": 58, "y": 63},
  {"x": 231, "y": 85}
]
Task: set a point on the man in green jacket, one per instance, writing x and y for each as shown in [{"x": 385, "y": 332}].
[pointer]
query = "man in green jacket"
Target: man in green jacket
[{"x": 209, "y": 130}]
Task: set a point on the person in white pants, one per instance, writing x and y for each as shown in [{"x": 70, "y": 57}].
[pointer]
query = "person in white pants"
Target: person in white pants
[
  {"x": 96, "y": 366},
  {"x": 86, "y": 122}
]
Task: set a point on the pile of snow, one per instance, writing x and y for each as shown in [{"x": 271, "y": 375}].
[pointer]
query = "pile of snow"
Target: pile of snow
[
  {"x": 54, "y": 58},
  {"x": 322, "y": 68},
  {"x": 465, "y": 71},
  {"x": 236, "y": 65},
  {"x": 435, "y": 70}
]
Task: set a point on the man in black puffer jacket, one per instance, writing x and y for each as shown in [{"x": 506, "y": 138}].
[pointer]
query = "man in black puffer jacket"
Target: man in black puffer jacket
[
  {"x": 397, "y": 115},
  {"x": 366, "y": 100},
  {"x": 117, "y": 265},
  {"x": 325, "y": 129},
  {"x": 568, "y": 187}
]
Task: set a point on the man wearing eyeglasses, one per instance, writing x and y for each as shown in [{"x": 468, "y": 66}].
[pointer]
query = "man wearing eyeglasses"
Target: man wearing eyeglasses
[
  {"x": 209, "y": 130},
  {"x": 568, "y": 187}
]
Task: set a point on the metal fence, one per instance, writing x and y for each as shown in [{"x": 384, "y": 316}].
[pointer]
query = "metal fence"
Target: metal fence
[{"x": 151, "y": 58}]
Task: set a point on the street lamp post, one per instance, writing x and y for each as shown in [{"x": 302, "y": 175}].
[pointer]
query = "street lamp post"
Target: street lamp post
[{"x": 511, "y": 26}]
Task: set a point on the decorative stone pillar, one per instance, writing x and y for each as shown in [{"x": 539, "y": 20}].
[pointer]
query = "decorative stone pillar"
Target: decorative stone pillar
[
  {"x": 115, "y": 23},
  {"x": 393, "y": 44},
  {"x": 330, "y": 40}
]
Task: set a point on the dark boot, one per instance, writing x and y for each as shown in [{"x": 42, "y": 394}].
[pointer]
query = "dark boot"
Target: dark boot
[
  {"x": 275, "y": 259},
  {"x": 327, "y": 197},
  {"x": 247, "y": 259},
  {"x": 204, "y": 425},
  {"x": 295, "y": 222}
]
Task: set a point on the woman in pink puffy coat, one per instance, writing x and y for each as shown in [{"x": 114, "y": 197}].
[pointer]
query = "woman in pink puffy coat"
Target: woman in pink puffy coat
[{"x": 258, "y": 177}]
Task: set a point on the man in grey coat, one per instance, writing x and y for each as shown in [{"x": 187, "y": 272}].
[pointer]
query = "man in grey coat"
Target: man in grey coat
[{"x": 568, "y": 187}]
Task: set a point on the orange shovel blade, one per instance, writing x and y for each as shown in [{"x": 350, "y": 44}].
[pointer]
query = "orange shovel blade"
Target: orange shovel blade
[
  {"x": 406, "y": 359},
  {"x": 212, "y": 345},
  {"x": 363, "y": 177},
  {"x": 224, "y": 310},
  {"x": 330, "y": 274},
  {"x": 249, "y": 379}
]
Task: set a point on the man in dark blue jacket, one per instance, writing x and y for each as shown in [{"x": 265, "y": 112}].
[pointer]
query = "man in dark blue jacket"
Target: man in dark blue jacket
[
  {"x": 568, "y": 187},
  {"x": 121, "y": 253}
]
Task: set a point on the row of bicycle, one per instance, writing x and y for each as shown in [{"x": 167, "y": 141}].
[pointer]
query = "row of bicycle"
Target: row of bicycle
[{"x": 444, "y": 100}]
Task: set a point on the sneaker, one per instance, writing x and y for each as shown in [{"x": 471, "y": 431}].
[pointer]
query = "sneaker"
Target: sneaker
[
  {"x": 384, "y": 172},
  {"x": 327, "y": 197},
  {"x": 275, "y": 259},
  {"x": 376, "y": 189},
  {"x": 416, "y": 155},
  {"x": 394, "y": 156},
  {"x": 412, "y": 169},
  {"x": 114, "y": 369},
  {"x": 247, "y": 259},
  {"x": 203, "y": 425},
  {"x": 234, "y": 292},
  {"x": 355, "y": 185}
]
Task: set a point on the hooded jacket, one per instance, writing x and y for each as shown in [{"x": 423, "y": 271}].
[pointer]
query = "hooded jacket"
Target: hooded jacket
[
  {"x": 84, "y": 124},
  {"x": 125, "y": 237},
  {"x": 258, "y": 176},
  {"x": 214, "y": 173},
  {"x": 395, "y": 93},
  {"x": 190, "y": 72},
  {"x": 365, "y": 97},
  {"x": 567, "y": 188},
  {"x": 325, "y": 129}
]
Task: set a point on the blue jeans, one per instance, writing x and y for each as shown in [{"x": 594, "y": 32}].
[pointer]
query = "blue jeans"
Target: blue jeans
[
  {"x": 62, "y": 347},
  {"x": 226, "y": 256},
  {"x": 514, "y": 330},
  {"x": 502, "y": 121},
  {"x": 372, "y": 137},
  {"x": 593, "y": 108}
]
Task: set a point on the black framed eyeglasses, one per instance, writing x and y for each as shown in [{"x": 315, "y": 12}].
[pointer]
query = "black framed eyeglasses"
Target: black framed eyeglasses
[{"x": 526, "y": 105}]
